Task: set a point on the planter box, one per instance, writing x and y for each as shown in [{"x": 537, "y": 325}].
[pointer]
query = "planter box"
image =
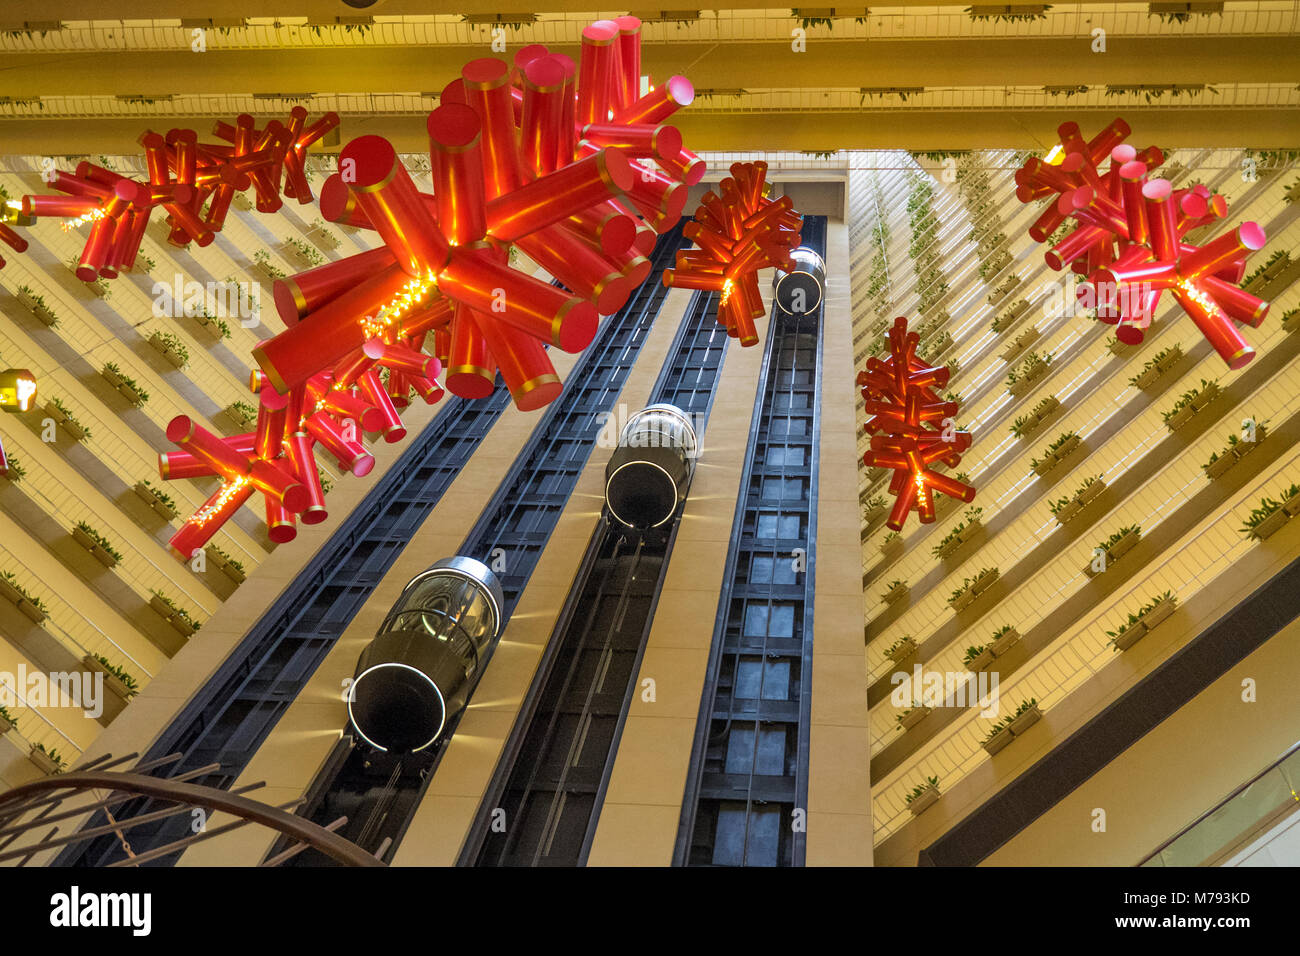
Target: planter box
[
  {"x": 997, "y": 741},
  {"x": 893, "y": 547},
  {"x": 5, "y": 726},
  {"x": 1022, "y": 341},
  {"x": 1150, "y": 377},
  {"x": 923, "y": 801},
  {"x": 298, "y": 258},
  {"x": 917, "y": 715},
  {"x": 242, "y": 423},
  {"x": 268, "y": 271},
  {"x": 43, "y": 761},
  {"x": 1292, "y": 505},
  {"x": 15, "y": 597},
  {"x": 1118, "y": 348},
  {"x": 875, "y": 514},
  {"x": 1158, "y": 613},
  {"x": 984, "y": 659},
  {"x": 1182, "y": 418},
  {"x": 1071, "y": 509},
  {"x": 172, "y": 618},
  {"x": 963, "y": 600},
  {"x": 1205, "y": 397},
  {"x": 984, "y": 582},
  {"x": 94, "y": 547},
  {"x": 176, "y": 359},
  {"x": 1244, "y": 448},
  {"x": 876, "y": 474},
  {"x": 949, "y": 549},
  {"x": 1292, "y": 323},
  {"x": 111, "y": 681},
  {"x": 903, "y": 652},
  {"x": 1219, "y": 467},
  {"x": 1020, "y": 724},
  {"x": 1005, "y": 642},
  {"x": 894, "y": 596},
  {"x": 1092, "y": 491},
  {"x": 1130, "y": 637},
  {"x": 1271, "y": 524},
  {"x": 41, "y": 312},
  {"x": 1065, "y": 451},
  {"x": 228, "y": 569},
  {"x": 1123, "y": 546},
  {"x": 322, "y": 238},
  {"x": 241, "y": 202},
  {"x": 153, "y": 501}
]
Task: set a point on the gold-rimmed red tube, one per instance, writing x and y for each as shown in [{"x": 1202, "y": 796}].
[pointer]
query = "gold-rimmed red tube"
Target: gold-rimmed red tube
[
  {"x": 471, "y": 368},
  {"x": 1222, "y": 251},
  {"x": 1161, "y": 218},
  {"x": 474, "y": 278},
  {"x": 351, "y": 455},
  {"x": 173, "y": 465},
  {"x": 298, "y": 450},
  {"x": 272, "y": 415},
  {"x": 659, "y": 104},
  {"x": 385, "y": 412},
  {"x": 487, "y": 90},
  {"x": 569, "y": 121},
  {"x": 73, "y": 206},
  {"x": 558, "y": 195},
  {"x": 1215, "y": 326},
  {"x": 543, "y": 116},
  {"x": 627, "y": 83},
  {"x": 281, "y": 527},
  {"x": 578, "y": 265},
  {"x": 596, "y": 67},
  {"x": 1237, "y": 303},
  {"x": 327, "y": 334},
  {"x": 385, "y": 193},
  {"x": 194, "y": 534},
  {"x": 522, "y": 360},
  {"x": 300, "y": 294},
  {"x": 658, "y": 142},
  {"x": 190, "y": 436},
  {"x": 403, "y": 358},
  {"x": 457, "y": 166}
]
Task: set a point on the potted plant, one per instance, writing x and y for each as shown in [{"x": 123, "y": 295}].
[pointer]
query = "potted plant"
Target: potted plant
[
  {"x": 32, "y": 606},
  {"x": 126, "y": 386},
  {"x": 171, "y": 347},
  {"x": 1020, "y": 343},
  {"x": 909, "y": 718},
  {"x": 997, "y": 738},
  {"x": 1265, "y": 520},
  {"x": 319, "y": 233},
  {"x": 1156, "y": 367},
  {"x": 1159, "y": 609},
  {"x": 96, "y": 544},
  {"x": 923, "y": 796},
  {"x": 159, "y": 501},
  {"x": 262, "y": 264},
  {"x": 15, "y": 472},
  {"x": 978, "y": 658},
  {"x": 175, "y": 615},
  {"x": 962, "y": 532},
  {"x": 8, "y": 721},
  {"x": 1022, "y": 378},
  {"x": 1116, "y": 546},
  {"x": 1219, "y": 464},
  {"x": 63, "y": 415},
  {"x": 1291, "y": 500},
  {"x": 901, "y": 649},
  {"x": 1207, "y": 393},
  {"x": 1026, "y": 714},
  {"x": 873, "y": 509},
  {"x": 302, "y": 253},
  {"x": 243, "y": 414},
  {"x": 1056, "y": 453},
  {"x": 229, "y": 566},
  {"x": 49, "y": 761},
  {"x": 1291, "y": 320},
  {"x": 36, "y": 303},
  {"x": 119, "y": 680},
  {"x": 892, "y": 541},
  {"x": 897, "y": 589},
  {"x": 1004, "y": 638}
]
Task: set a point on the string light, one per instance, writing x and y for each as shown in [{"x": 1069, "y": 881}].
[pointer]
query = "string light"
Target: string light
[
  {"x": 93, "y": 216},
  {"x": 228, "y": 491}
]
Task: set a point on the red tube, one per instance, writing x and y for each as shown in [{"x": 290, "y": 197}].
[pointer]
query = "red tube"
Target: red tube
[
  {"x": 560, "y": 194},
  {"x": 454, "y": 135}
]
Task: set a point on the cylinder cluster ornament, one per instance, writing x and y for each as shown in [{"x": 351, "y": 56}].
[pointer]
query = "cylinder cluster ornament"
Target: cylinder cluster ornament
[
  {"x": 912, "y": 428},
  {"x": 415, "y": 677},
  {"x": 1129, "y": 239},
  {"x": 736, "y": 234}
]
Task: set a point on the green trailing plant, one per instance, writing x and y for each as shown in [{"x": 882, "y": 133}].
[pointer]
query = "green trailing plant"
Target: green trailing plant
[
  {"x": 160, "y": 494},
  {"x": 973, "y": 652},
  {"x": 141, "y": 395},
  {"x": 53, "y": 754},
  {"x": 12, "y": 580},
  {"x": 99, "y": 539},
  {"x": 246, "y": 410},
  {"x": 1002, "y": 631},
  {"x": 891, "y": 538},
  {"x": 1021, "y": 426},
  {"x": 1025, "y": 707},
  {"x": 1280, "y": 256},
  {"x": 326, "y": 482},
  {"x": 971, "y": 516},
  {"x": 262, "y": 258},
  {"x": 1053, "y": 448},
  {"x": 1116, "y": 536},
  {"x": 1291, "y": 192},
  {"x": 16, "y": 471},
  {"x": 237, "y": 565},
  {"x": 1188, "y": 397},
  {"x": 1153, "y": 362},
  {"x": 874, "y": 502},
  {"x": 145, "y": 263},
  {"x": 310, "y": 254},
  {"x": 903, "y": 714},
  {"x": 71, "y": 418},
  {"x": 126, "y": 677},
  {"x": 171, "y": 342},
  {"x": 898, "y": 645},
  {"x": 931, "y": 783},
  {"x": 177, "y": 610},
  {"x": 895, "y": 585}
]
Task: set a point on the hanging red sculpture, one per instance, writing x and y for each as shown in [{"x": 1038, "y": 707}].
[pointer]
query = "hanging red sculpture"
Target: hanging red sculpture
[
  {"x": 1130, "y": 241},
  {"x": 535, "y": 154},
  {"x": 912, "y": 428},
  {"x": 185, "y": 178},
  {"x": 737, "y": 233}
]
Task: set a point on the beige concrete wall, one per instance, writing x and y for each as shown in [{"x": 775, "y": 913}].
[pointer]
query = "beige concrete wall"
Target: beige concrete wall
[
  {"x": 443, "y": 819},
  {"x": 638, "y": 820},
  {"x": 1205, "y": 749},
  {"x": 839, "y": 783}
]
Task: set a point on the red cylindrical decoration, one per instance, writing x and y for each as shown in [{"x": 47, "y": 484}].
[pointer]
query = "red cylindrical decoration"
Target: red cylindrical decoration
[
  {"x": 560, "y": 194},
  {"x": 526, "y": 370},
  {"x": 627, "y": 85},
  {"x": 389, "y": 199},
  {"x": 543, "y": 117},
  {"x": 659, "y": 104},
  {"x": 471, "y": 368},
  {"x": 596, "y": 71},
  {"x": 1215, "y": 326},
  {"x": 487, "y": 88},
  {"x": 198, "y": 530},
  {"x": 304, "y": 292},
  {"x": 351, "y": 455},
  {"x": 298, "y": 450},
  {"x": 454, "y": 135}
]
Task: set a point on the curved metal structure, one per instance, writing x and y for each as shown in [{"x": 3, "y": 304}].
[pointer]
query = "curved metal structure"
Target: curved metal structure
[
  {"x": 417, "y": 674},
  {"x": 650, "y": 472},
  {"x": 123, "y": 786},
  {"x": 799, "y": 291}
]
